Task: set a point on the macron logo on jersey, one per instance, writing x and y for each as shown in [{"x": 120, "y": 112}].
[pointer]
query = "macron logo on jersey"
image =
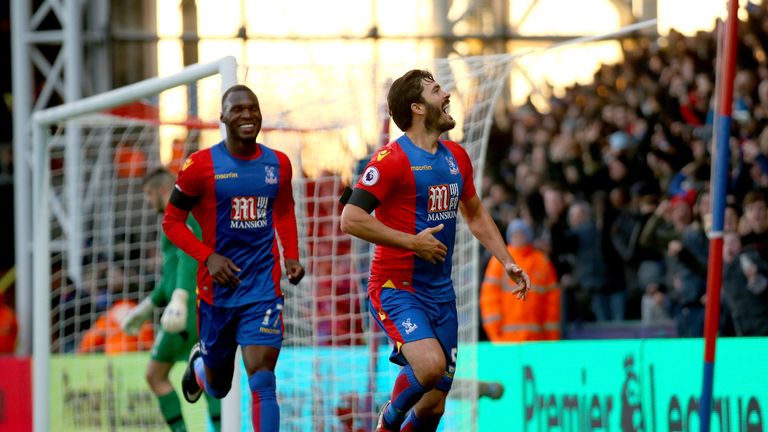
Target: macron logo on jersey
[
  {"x": 443, "y": 202},
  {"x": 248, "y": 212}
]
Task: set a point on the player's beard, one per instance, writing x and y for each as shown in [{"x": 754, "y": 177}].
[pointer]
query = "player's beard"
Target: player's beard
[{"x": 435, "y": 121}]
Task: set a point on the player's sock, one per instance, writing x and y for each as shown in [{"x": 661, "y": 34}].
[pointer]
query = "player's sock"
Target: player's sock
[
  {"x": 170, "y": 407},
  {"x": 266, "y": 413},
  {"x": 405, "y": 394},
  {"x": 214, "y": 411},
  {"x": 414, "y": 424},
  {"x": 202, "y": 381}
]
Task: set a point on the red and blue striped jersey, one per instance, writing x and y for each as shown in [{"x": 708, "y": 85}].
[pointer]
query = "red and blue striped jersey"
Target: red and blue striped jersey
[
  {"x": 417, "y": 190},
  {"x": 239, "y": 203}
]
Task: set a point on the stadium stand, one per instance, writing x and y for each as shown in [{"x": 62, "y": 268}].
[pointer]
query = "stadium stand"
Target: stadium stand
[{"x": 633, "y": 147}]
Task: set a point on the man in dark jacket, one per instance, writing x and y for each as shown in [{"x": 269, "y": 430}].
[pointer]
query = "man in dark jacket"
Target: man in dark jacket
[{"x": 745, "y": 287}]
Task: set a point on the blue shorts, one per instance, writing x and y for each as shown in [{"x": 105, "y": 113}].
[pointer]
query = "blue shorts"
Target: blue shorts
[
  {"x": 222, "y": 329},
  {"x": 405, "y": 318}
]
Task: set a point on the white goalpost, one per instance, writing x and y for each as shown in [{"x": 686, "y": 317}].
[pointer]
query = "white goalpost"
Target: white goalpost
[
  {"x": 95, "y": 240},
  {"x": 48, "y": 206}
]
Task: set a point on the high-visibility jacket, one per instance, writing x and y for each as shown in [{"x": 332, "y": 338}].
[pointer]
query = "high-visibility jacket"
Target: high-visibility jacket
[
  {"x": 105, "y": 335},
  {"x": 507, "y": 319}
]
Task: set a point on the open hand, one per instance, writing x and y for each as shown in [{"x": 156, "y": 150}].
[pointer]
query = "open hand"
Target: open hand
[{"x": 519, "y": 277}]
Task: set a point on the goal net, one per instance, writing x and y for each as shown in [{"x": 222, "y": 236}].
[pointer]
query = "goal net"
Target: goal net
[{"x": 97, "y": 250}]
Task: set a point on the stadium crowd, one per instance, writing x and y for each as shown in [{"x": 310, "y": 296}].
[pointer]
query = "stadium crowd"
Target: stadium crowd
[{"x": 613, "y": 180}]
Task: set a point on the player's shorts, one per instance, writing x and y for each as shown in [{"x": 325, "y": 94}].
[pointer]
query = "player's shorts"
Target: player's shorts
[
  {"x": 405, "y": 318},
  {"x": 172, "y": 347},
  {"x": 222, "y": 329}
]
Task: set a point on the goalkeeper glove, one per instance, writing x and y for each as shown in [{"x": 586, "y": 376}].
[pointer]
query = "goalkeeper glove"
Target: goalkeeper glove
[
  {"x": 132, "y": 322},
  {"x": 174, "y": 318}
]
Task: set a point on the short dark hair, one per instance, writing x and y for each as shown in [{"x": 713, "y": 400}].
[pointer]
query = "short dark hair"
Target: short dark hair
[
  {"x": 157, "y": 177},
  {"x": 234, "y": 88},
  {"x": 754, "y": 196},
  {"x": 403, "y": 92}
]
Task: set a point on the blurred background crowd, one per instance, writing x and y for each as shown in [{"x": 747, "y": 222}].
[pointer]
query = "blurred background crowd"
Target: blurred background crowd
[
  {"x": 609, "y": 185},
  {"x": 613, "y": 181}
]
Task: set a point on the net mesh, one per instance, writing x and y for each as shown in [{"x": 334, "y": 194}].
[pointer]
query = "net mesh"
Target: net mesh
[{"x": 333, "y": 372}]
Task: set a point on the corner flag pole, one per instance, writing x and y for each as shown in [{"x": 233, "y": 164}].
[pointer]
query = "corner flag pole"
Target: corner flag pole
[{"x": 718, "y": 193}]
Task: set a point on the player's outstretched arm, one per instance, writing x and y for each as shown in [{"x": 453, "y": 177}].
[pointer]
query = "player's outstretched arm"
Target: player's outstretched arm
[
  {"x": 359, "y": 223},
  {"x": 483, "y": 227}
]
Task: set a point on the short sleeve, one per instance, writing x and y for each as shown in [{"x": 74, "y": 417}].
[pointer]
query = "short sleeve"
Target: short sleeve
[
  {"x": 465, "y": 167},
  {"x": 382, "y": 173}
]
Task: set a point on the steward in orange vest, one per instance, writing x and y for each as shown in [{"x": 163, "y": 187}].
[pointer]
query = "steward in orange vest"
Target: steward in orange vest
[
  {"x": 105, "y": 335},
  {"x": 505, "y": 319}
]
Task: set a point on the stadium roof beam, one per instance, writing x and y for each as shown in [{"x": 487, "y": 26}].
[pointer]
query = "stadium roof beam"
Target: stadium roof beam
[
  {"x": 142, "y": 36},
  {"x": 47, "y": 65}
]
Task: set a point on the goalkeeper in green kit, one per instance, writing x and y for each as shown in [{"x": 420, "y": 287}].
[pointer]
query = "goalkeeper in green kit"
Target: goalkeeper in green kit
[{"x": 175, "y": 291}]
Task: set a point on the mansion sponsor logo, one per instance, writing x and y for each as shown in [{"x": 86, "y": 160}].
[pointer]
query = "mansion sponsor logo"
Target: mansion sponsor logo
[
  {"x": 248, "y": 212},
  {"x": 421, "y": 167},
  {"x": 443, "y": 200}
]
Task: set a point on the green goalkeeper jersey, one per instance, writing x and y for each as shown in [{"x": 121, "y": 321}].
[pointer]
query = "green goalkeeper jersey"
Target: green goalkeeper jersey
[{"x": 179, "y": 271}]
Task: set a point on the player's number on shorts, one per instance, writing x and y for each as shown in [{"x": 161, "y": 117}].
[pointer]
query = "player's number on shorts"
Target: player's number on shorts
[
  {"x": 454, "y": 354},
  {"x": 268, "y": 315}
]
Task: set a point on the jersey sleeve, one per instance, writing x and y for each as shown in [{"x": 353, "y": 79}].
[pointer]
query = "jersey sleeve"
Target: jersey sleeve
[
  {"x": 190, "y": 180},
  {"x": 188, "y": 189},
  {"x": 382, "y": 173},
  {"x": 284, "y": 213},
  {"x": 467, "y": 172},
  {"x": 186, "y": 270}
]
